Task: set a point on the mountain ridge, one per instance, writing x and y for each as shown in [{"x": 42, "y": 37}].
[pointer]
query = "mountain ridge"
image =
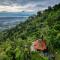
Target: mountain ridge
[{"x": 14, "y": 14}]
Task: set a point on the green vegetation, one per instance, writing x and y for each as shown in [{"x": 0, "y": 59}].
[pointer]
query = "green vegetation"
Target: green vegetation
[{"x": 46, "y": 23}]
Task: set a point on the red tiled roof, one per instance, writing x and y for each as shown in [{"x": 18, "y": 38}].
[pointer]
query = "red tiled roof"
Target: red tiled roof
[{"x": 40, "y": 45}]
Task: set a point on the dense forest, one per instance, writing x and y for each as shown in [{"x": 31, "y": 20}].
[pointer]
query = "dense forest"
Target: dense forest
[{"x": 46, "y": 23}]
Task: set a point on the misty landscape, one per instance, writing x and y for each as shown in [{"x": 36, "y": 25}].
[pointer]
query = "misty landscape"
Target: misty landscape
[{"x": 9, "y": 20}]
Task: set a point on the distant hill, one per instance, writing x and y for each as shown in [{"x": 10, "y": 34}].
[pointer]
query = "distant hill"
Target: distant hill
[{"x": 15, "y": 14}]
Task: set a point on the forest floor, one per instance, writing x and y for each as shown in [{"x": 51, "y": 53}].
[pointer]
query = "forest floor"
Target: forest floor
[{"x": 57, "y": 56}]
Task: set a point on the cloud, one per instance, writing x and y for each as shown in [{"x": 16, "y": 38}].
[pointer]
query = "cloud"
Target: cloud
[
  {"x": 10, "y": 8},
  {"x": 24, "y": 2},
  {"x": 18, "y": 2},
  {"x": 26, "y": 5},
  {"x": 16, "y": 8}
]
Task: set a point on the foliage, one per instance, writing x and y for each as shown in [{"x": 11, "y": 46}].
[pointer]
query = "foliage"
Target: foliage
[{"x": 15, "y": 43}]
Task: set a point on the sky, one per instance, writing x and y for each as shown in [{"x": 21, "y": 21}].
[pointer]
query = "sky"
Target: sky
[{"x": 26, "y": 5}]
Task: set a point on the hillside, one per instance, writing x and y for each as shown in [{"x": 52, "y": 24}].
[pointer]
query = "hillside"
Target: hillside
[{"x": 46, "y": 23}]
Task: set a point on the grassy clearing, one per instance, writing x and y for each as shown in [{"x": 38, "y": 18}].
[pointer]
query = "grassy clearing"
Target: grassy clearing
[{"x": 36, "y": 56}]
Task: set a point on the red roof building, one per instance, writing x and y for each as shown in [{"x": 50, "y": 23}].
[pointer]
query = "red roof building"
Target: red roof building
[{"x": 40, "y": 45}]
